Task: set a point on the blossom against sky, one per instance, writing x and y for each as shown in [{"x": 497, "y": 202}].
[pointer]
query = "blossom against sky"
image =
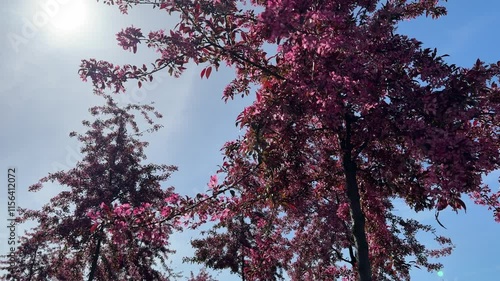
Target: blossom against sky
[{"x": 43, "y": 100}]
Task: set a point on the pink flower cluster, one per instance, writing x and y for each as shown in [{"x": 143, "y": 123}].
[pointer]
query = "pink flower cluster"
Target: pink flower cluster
[{"x": 129, "y": 38}]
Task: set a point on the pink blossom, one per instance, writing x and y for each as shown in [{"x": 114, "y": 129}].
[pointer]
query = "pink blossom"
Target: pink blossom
[
  {"x": 213, "y": 182},
  {"x": 129, "y": 38}
]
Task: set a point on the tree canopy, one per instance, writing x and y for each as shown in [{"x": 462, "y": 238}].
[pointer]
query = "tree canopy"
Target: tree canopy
[
  {"x": 348, "y": 116},
  {"x": 82, "y": 231}
]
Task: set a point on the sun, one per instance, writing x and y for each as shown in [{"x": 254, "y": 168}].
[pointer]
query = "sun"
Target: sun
[{"x": 71, "y": 16}]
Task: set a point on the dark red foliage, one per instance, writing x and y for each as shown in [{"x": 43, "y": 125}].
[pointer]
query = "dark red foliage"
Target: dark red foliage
[
  {"x": 97, "y": 227},
  {"x": 348, "y": 116}
]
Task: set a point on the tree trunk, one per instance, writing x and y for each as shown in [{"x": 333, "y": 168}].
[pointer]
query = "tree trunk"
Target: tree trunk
[
  {"x": 357, "y": 215},
  {"x": 358, "y": 218},
  {"x": 93, "y": 267}
]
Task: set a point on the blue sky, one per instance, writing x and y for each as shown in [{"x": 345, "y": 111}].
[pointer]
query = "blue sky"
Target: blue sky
[{"x": 43, "y": 100}]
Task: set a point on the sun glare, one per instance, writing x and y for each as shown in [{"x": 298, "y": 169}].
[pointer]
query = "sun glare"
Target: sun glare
[{"x": 71, "y": 16}]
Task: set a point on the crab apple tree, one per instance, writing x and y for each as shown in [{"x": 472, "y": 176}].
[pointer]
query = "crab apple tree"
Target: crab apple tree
[
  {"x": 348, "y": 115},
  {"x": 97, "y": 227}
]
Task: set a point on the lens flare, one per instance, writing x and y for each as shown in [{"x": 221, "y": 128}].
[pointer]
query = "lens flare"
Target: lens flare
[{"x": 71, "y": 16}]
